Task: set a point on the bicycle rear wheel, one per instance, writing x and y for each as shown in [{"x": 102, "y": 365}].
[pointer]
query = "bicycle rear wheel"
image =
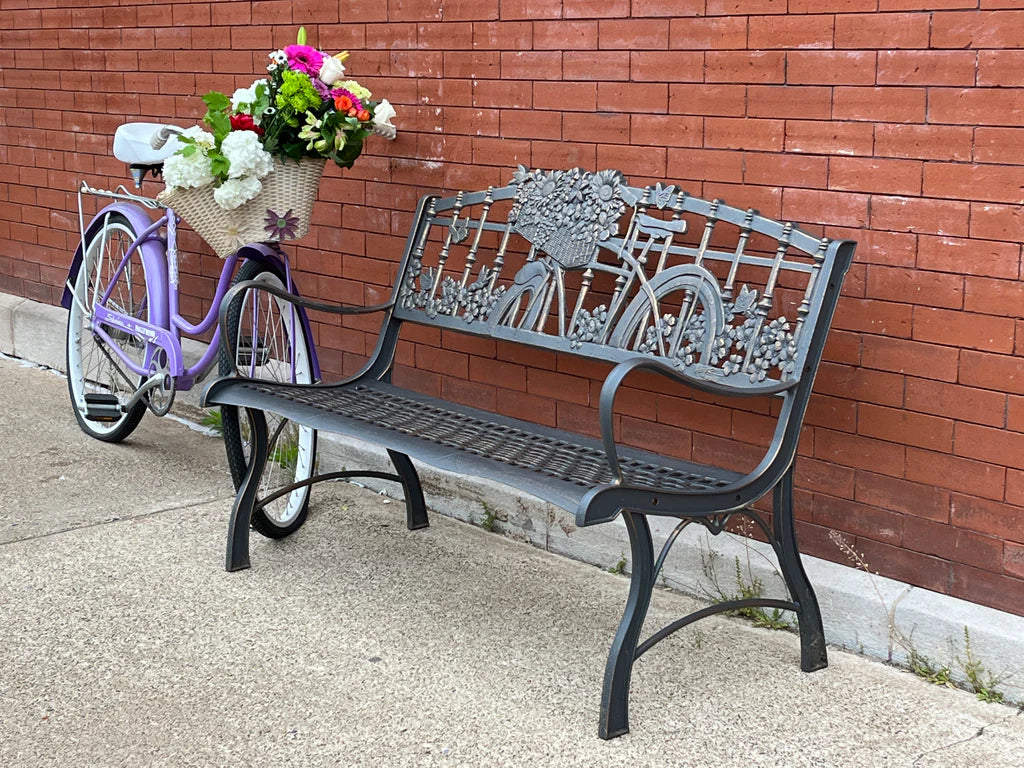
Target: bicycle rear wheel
[
  {"x": 99, "y": 382},
  {"x": 270, "y": 342}
]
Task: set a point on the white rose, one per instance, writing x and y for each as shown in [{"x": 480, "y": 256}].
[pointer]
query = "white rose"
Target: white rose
[
  {"x": 382, "y": 121},
  {"x": 331, "y": 71},
  {"x": 383, "y": 113}
]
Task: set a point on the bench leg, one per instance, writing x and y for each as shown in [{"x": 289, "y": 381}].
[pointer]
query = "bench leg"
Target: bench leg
[
  {"x": 615, "y": 695},
  {"x": 245, "y": 499},
  {"x": 415, "y": 505},
  {"x": 813, "y": 655}
]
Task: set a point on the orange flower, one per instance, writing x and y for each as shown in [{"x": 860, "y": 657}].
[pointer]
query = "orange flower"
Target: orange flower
[
  {"x": 363, "y": 115},
  {"x": 352, "y": 112},
  {"x": 342, "y": 103}
]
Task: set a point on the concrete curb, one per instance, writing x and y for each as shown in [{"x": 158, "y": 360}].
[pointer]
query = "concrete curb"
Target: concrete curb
[{"x": 857, "y": 607}]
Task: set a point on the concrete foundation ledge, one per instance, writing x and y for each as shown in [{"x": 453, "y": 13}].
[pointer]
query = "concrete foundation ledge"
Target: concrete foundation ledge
[{"x": 879, "y": 617}]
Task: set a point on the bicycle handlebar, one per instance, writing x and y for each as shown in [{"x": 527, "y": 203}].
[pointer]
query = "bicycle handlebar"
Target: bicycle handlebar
[{"x": 162, "y": 136}]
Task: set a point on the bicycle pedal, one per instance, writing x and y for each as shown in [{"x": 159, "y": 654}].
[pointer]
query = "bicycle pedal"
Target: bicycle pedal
[{"x": 101, "y": 407}]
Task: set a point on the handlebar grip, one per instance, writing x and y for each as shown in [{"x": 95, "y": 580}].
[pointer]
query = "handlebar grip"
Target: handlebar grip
[
  {"x": 162, "y": 136},
  {"x": 385, "y": 131}
]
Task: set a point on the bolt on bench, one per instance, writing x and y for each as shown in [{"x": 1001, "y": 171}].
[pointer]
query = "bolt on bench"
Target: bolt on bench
[{"x": 645, "y": 279}]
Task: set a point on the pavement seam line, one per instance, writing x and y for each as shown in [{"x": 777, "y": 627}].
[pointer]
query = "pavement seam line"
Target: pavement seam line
[
  {"x": 116, "y": 520},
  {"x": 972, "y": 737}
]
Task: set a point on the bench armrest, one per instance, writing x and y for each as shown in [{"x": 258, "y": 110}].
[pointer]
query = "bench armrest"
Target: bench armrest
[
  {"x": 739, "y": 493},
  {"x": 239, "y": 288},
  {"x": 618, "y": 374}
]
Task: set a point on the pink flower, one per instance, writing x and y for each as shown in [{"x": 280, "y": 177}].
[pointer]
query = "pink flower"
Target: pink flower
[
  {"x": 303, "y": 58},
  {"x": 339, "y": 92}
]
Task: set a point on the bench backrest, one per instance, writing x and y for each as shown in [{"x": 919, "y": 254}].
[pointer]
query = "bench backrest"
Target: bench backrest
[{"x": 583, "y": 263}]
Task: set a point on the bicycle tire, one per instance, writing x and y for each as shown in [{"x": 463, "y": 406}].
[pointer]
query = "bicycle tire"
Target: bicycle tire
[
  {"x": 90, "y": 367},
  {"x": 287, "y": 517}
]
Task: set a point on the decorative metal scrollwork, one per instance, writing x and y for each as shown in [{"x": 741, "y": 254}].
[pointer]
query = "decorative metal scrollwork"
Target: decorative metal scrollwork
[{"x": 609, "y": 269}]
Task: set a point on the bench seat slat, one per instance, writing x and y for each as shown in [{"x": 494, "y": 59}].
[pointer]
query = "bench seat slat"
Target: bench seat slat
[{"x": 555, "y": 465}]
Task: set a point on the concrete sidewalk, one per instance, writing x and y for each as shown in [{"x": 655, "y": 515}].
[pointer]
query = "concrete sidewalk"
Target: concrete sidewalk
[{"x": 355, "y": 642}]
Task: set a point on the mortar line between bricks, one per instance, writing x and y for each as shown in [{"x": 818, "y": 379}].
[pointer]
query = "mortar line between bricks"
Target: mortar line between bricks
[{"x": 116, "y": 520}]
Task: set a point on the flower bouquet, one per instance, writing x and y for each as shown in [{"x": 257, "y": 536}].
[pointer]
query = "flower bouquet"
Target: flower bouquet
[{"x": 253, "y": 176}]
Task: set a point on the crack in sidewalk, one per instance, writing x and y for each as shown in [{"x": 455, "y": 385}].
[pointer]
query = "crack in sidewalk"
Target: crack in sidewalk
[
  {"x": 114, "y": 520},
  {"x": 972, "y": 737}
]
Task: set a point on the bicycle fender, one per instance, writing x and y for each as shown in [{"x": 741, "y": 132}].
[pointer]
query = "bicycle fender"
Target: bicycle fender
[{"x": 151, "y": 251}]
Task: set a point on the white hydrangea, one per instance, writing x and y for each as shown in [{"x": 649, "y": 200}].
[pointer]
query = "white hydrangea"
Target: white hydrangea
[
  {"x": 203, "y": 138},
  {"x": 187, "y": 172},
  {"x": 246, "y": 155},
  {"x": 233, "y": 192},
  {"x": 245, "y": 96}
]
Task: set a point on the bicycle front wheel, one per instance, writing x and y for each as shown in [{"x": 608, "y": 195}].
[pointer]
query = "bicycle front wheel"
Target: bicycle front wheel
[
  {"x": 99, "y": 381},
  {"x": 270, "y": 342}
]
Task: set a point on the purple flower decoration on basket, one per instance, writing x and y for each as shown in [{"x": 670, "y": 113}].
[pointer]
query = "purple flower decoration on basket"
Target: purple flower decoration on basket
[{"x": 281, "y": 227}]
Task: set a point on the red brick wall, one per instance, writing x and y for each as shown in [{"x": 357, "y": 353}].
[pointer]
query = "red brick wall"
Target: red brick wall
[{"x": 894, "y": 122}]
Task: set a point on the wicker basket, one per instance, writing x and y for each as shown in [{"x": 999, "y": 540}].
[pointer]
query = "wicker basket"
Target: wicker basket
[{"x": 281, "y": 211}]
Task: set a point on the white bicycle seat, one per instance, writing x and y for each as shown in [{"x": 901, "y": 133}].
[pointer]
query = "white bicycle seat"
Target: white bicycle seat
[{"x": 132, "y": 144}]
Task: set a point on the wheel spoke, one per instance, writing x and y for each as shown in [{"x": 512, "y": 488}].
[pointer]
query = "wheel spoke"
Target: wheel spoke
[
  {"x": 93, "y": 367},
  {"x": 264, "y": 343}
]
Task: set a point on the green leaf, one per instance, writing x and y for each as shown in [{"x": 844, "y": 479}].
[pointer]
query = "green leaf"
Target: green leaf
[
  {"x": 190, "y": 150},
  {"x": 262, "y": 99},
  {"x": 301, "y": 37},
  {"x": 220, "y": 123},
  {"x": 219, "y": 165},
  {"x": 216, "y": 101},
  {"x": 294, "y": 149}
]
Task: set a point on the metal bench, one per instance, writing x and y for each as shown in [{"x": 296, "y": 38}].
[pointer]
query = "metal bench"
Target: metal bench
[{"x": 642, "y": 278}]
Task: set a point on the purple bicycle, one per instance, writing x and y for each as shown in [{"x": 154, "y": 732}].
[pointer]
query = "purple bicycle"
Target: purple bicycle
[{"x": 124, "y": 351}]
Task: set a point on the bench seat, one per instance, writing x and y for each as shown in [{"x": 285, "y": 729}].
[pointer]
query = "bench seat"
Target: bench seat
[{"x": 555, "y": 465}]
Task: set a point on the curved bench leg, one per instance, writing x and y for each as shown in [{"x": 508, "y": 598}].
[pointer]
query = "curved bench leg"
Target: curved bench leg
[
  {"x": 245, "y": 499},
  {"x": 415, "y": 505},
  {"x": 615, "y": 695},
  {"x": 813, "y": 655}
]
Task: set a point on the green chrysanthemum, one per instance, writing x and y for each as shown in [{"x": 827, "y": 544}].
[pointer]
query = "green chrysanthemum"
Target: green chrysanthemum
[{"x": 297, "y": 92}]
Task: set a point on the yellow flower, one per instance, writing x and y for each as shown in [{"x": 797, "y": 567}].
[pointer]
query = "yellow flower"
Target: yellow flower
[{"x": 355, "y": 89}]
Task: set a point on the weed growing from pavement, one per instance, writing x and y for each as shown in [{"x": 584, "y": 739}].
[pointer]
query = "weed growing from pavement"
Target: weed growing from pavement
[
  {"x": 619, "y": 567},
  {"x": 978, "y": 678},
  {"x": 489, "y": 522},
  {"x": 212, "y": 421},
  {"x": 981, "y": 680},
  {"x": 747, "y": 585}
]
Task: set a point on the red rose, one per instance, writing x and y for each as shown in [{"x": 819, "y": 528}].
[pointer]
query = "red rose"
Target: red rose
[{"x": 245, "y": 123}]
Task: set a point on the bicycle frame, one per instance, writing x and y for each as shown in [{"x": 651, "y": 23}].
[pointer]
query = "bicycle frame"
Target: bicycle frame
[{"x": 166, "y": 324}]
